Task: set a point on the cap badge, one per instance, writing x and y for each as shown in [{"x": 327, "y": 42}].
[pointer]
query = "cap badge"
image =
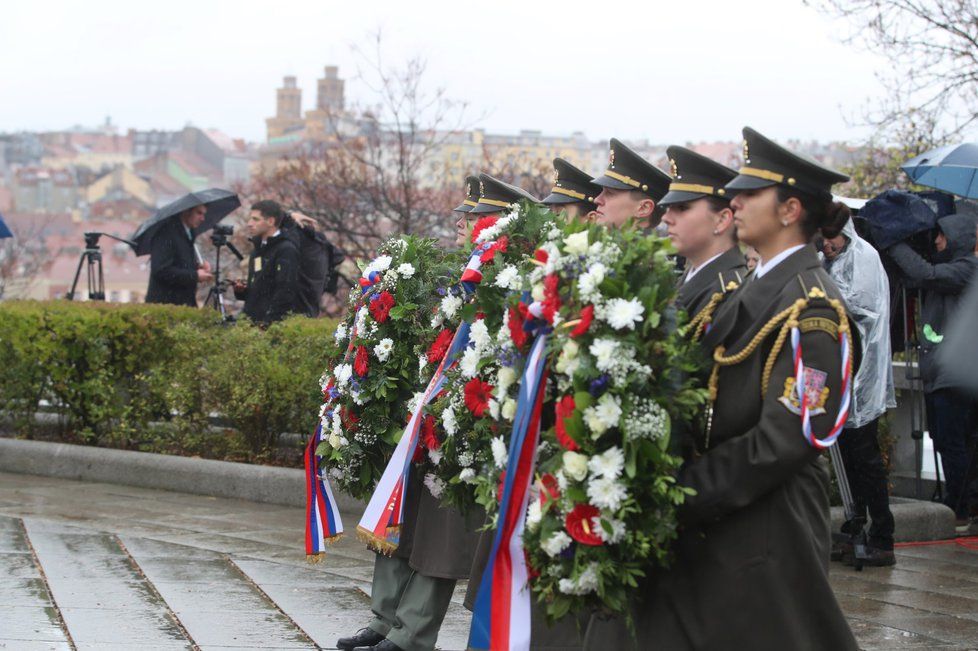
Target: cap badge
[
  {"x": 482, "y": 189},
  {"x": 673, "y": 168},
  {"x": 746, "y": 152},
  {"x": 556, "y": 176},
  {"x": 611, "y": 159}
]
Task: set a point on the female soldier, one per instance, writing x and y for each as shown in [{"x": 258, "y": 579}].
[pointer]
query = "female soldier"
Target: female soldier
[
  {"x": 751, "y": 562},
  {"x": 700, "y": 225},
  {"x": 573, "y": 193}
]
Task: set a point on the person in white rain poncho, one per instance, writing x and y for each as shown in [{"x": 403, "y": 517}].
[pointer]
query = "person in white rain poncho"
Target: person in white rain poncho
[{"x": 856, "y": 268}]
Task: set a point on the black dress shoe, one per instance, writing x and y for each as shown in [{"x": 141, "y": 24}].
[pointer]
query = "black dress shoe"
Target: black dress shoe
[
  {"x": 365, "y": 637},
  {"x": 874, "y": 557},
  {"x": 386, "y": 645}
]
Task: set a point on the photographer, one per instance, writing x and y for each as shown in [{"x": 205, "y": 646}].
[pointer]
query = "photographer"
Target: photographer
[
  {"x": 317, "y": 260},
  {"x": 950, "y": 413},
  {"x": 856, "y": 268},
  {"x": 174, "y": 267},
  {"x": 273, "y": 268}
]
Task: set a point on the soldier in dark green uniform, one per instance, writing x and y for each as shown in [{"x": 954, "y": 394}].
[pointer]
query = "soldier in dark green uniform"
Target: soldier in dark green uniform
[
  {"x": 630, "y": 188},
  {"x": 751, "y": 560},
  {"x": 700, "y": 223},
  {"x": 573, "y": 193},
  {"x": 412, "y": 589}
]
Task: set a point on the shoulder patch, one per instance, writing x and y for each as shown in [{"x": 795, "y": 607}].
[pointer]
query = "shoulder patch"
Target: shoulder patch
[
  {"x": 816, "y": 393},
  {"x": 827, "y": 326}
]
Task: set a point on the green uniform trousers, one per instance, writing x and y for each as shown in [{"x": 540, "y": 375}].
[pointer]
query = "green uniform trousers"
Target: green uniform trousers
[{"x": 408, "y": 607}]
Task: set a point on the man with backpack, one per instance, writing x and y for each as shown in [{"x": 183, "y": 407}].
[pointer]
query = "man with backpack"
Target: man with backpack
[
  {"x": 318, "y": 262},
  {"x": 273, "y": 269}
]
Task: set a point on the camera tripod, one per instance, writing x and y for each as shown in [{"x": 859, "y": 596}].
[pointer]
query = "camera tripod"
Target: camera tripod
[
  {"x": 91, "y": 258},
  {"x": 215, "y": 295}
]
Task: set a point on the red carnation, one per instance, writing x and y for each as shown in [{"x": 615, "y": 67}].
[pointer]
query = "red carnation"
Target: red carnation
[
  {"x": 551, "y": 489},
  {"x": 380, "y": 307},
  {"x": 541, "y": 256},
  {"x": 349, "y": 420},
  {"x": 428, "y": 435},
  {"x": 551, "y": 297},
  {"x": 360, "y": 362},
  {"x": 565, "y": 409},
  {"x": 516, "y": 332},
  {"x": 477, "y": 395},
  {"x": 499, "y": 245},
  {"x": 483, "y": 224},
  {"x": 587, "y": 316},
  {"x": 440, "y": 346},
  {"x": 580, "y": 525}
]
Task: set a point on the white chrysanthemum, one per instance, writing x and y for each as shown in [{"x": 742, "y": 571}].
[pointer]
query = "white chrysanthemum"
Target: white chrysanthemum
[
  {"x": 621, "y": 314},
  {"x": 494, "y": 408},
  {"x": 343, "y": 373},
  {"x": 437, "y": 320},
  {"x": 435, "y": 485},
  {"x": 604, "y": 415},
  {"x": 414, "y": 401},
  {"x": 488, "y": 234},
  {"x": 585, "y": 583},
  {"x": 337, "y": 425},
  {"x": 361, "y": 320},
  {"x": 617, "y": 529},
  {"x": 606, "y": 493},
  {"x": 448, "y": 421},
  {"x": 467, "y": 475},
  {"x": 575, "y": 465},
  {"x": 341, "y": 333},
  {"x": 450, "y": 305},
  {"x": 422, "y": 362},
  {"x": 534, "y": 513},
  {"x": 380, "y": 263},
  {"x": 604, "y": 351},
  {"x": 384, "y": 348},
  {"x": 435, "y": 456},
  {"x": 609, "y": 463},
  {"x": 508, "y": 410},
  {"x": 588, "y": 282},
  {"x": 576, "y": 244},
  {"x": 479, "y": 335},
  {"x": 505, "y": 378},
  {"x": 555, "y": 544},
  {"x": 469, "y": 364},
  {"x": 508, "y": 278},
  {"x": 405, "y": 269},
  {"x": 499, "y": 453}
]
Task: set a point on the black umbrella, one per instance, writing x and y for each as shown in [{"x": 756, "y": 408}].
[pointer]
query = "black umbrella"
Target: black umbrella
[{"x": 220, "y": 203}]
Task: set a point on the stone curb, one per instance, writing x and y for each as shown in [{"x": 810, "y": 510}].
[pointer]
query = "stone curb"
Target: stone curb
[
  {"x": 254, "y": 483},
  {"x": 916, "y": 520}
]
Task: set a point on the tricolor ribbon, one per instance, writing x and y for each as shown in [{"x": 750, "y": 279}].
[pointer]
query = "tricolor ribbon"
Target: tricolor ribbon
[
  {"x": 323, "y": 523},
  {"x": 843, "y": 414},
  {"x": 472, "y": 273},
  {"x": 501, "y": 617},
  {"x": 380, "y": 525}
]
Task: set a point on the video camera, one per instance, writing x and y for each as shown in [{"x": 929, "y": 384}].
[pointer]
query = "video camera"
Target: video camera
[{"x": 220, "y": 234}]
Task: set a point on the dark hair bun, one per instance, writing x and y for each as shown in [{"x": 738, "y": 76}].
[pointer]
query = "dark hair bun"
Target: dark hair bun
[{"x": 834, "y": 220}]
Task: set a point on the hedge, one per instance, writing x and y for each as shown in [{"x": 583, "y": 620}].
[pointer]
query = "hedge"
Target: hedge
[{"x": 109, "y": 370}]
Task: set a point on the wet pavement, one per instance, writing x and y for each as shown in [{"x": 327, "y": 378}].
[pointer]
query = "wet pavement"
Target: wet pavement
[{"x": 99, "y": 566}]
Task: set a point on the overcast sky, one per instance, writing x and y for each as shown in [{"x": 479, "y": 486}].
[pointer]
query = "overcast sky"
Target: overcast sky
[{"x": 667, "y": 71}]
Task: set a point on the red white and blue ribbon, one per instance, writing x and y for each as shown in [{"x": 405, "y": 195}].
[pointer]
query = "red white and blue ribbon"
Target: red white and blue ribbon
[
  {"x": 843, "y": 414},
  {"x": 380, "y": 525},
  {"x": 323, "y": 523},
  {"x": 501, "y": 617},
  {"x": 472, "y": 274}
]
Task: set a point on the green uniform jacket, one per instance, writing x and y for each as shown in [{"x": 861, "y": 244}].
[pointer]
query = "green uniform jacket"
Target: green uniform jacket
[
  {"x": 751, "y": 565},
  {"x": 693, "y": 295},
  {"x": 443, "y": 541}
]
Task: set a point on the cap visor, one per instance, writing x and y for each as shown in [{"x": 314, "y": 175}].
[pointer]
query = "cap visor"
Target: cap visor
[
  {"x": 560, "y": 198},
  {"x": 745, "y": 182},
  {"x": 676, "y": 196},
  {"x": 462, "y": 207},
  {"x": 608, "y": 182},
  {"x": 486, "y": 208}
]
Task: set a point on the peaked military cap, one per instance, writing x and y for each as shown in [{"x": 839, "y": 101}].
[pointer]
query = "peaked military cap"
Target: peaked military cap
[
  {"x": 471, "y": 195},
  {"x": 629, "y": 171},
  {"x": 695, "y": 176},
  {"x": 496, "y": 195},
  {"x": 571, "y": 185},
  {"x": 767, "y": 163}
]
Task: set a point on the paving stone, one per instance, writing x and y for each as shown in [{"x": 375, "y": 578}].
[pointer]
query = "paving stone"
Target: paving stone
[{"x": 31, "y": 623}]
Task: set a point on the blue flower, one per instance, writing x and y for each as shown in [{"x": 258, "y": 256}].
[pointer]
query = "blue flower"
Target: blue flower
[{"x": 599, "y": 385}]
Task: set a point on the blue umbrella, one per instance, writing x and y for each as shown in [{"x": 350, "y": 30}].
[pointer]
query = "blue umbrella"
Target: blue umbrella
[
  {"x": 4, "y": 230},
  {"x": 952, "y": 168}
]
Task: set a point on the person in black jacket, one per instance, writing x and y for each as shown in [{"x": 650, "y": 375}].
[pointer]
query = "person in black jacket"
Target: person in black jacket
[
  {"x": 273, "y": 269},
  {"x": 950, "y": 412},
  {"x": 174, "y": 267}
]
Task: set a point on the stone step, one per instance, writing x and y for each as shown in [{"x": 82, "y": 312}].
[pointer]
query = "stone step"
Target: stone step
[
  {"x": 29, "y": 618},
  {"x": 217, "y": 605},
  {"x": 102, "y": 595}
]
